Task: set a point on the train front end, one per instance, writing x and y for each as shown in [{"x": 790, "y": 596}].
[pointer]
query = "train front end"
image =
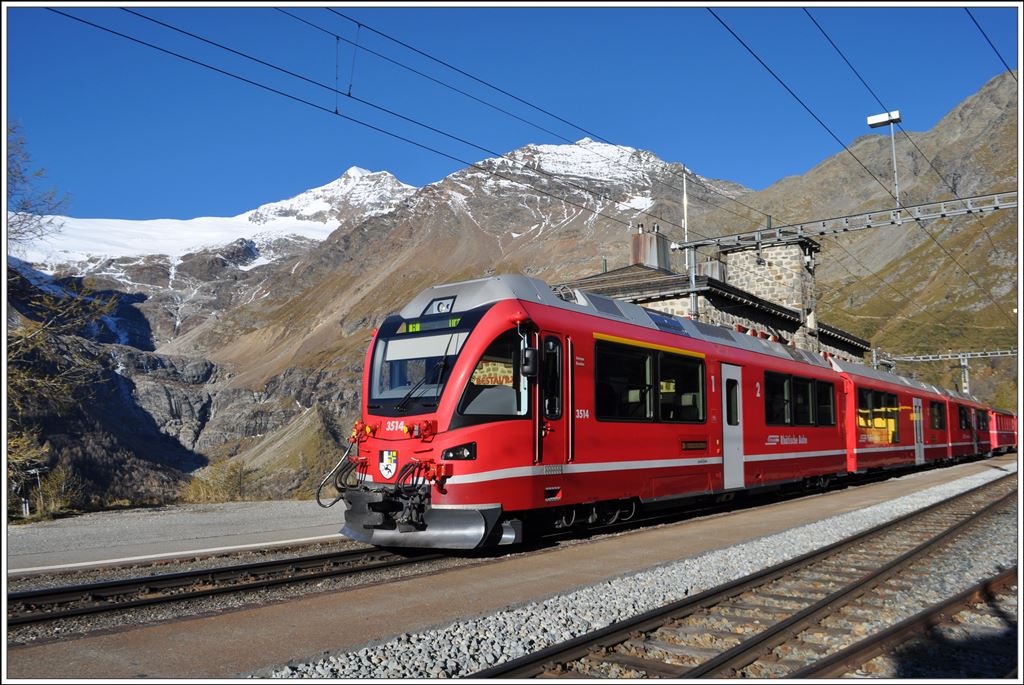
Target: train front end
[{"x": 445, "y": 405}]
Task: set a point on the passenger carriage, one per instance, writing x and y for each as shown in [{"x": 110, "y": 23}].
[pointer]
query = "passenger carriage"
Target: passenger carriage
[{"x": 1002, "y": 430}]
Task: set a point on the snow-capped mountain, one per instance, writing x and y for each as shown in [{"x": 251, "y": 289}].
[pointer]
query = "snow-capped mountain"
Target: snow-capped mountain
[
  {"x": 83, "y": 244},
  {"x": 358, "y": 191}
]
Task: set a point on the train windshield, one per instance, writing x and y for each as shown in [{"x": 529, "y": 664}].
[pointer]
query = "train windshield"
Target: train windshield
[{"x": 409, "y": 373}]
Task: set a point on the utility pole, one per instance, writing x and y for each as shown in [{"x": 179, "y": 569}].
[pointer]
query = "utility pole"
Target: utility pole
[
  {"x": 965, "y": 375},
  {"x": 890, "y": 118},
  {"x": 691, "y": 254}
]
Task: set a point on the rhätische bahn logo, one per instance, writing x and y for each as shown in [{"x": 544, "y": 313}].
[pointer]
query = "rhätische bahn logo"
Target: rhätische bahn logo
[{"x": 388, "y": 462}]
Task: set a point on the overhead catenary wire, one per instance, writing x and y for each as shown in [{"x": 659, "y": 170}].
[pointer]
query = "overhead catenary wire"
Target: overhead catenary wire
[
  {"x": 556, "y": 178},
  {"x": 345, "y": 117},
  {"x": 396, "y": 114},
  {"x": 330, "y": 111},
  {"x": 931, "y": 164},
  {"x": 868, "y": 171},
  {"x": 990, "y": 44},
  {"x": 668, "y": 166},
  {"x": 582, "y": 207},
  {"x": 856, "y": 73},
  {"x": 531, "y": 105}
]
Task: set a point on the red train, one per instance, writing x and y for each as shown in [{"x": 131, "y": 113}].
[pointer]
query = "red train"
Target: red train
[{"x": 495, "y": 404}]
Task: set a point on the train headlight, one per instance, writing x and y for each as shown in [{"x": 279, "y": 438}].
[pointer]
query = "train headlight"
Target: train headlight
[{"x": 461, "y": 453}]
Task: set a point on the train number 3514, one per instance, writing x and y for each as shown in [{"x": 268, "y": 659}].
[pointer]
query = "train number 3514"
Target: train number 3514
[{"x": 582, "y": 413}]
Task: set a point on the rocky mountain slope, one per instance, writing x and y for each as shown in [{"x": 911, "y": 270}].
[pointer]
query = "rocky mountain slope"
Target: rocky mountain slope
[{"x": 251, "y": 348}]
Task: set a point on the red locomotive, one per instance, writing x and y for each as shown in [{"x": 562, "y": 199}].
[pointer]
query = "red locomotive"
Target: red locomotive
[{"x": 495, "y": 404}]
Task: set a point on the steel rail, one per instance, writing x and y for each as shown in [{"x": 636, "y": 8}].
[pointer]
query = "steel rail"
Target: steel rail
[
  {"x": 277, "y": 574},
  {"x": 750, "y": 650},
  {"x": 848, "y": 659},
  {"x": 533, "y": 665}
]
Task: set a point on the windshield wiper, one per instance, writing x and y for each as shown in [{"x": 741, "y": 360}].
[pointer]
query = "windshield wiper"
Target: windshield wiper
[
  {"x": 442, "y": 363},
  {"x": 401, "y": 403}
]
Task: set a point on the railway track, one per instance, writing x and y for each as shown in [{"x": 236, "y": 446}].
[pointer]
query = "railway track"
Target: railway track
[
  {"x": 779, "y": 621},
  {"x": 971, "y": 635},
  {"x": 35, "y": 606}
]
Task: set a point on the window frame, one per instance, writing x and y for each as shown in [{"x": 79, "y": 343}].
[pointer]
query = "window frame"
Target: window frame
[
  {"x": 655, "y": 360},
  {"x": 702, "y": 392},
  {"x": 619, "y": 348},
  {"x": 937, "y": 415},
  {"x": 818, "y": 383},
  {"x": 964, "y": 416},
  {"x": 787, "y": 401},
  {"x": 811, "y": 399},
  {"x": 732, "y": 402},
  {"x": 460, "y": 419},
  {"x": 813, "y": 384},
  {"x": 549, "y": 371}
]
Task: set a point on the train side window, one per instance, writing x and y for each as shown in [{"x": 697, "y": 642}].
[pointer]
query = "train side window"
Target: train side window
[
  {"x": 892, "y": 417},
  {"x": 623, "y": 383},
  {"x": 681, "y": 385},
  {"x": 825, "y": 393},
  {"x": 803, "y": 401},
  {"x": 552, "y": 378},
  {"x": 965, "y": 419},
  {"x": 879, "y": 411},
  {"x": 496, "y": 387},
  {"x": 937, "y": 413},
  {"x": 732, "y": 414},
  {"x": 777, "y": 399},
  {"x": 863, "y": 408}
]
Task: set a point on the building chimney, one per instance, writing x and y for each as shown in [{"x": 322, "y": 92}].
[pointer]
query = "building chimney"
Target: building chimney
[{"x": 650, "y": 248}]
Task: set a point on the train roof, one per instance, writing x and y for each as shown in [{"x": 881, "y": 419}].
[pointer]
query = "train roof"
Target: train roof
[
  {"x": 466, "y": 295},
  {"x": 463, "y": 296},
  {"x": 855, "y": 369}
]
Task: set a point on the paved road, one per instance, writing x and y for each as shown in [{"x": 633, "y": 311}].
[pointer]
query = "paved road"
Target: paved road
[{"x": 117, "y": 535}]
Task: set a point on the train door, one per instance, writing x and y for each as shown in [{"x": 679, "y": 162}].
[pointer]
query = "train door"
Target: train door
[
  {"x": 732, "y": 427},
  {"x": 918, "y": 419},
  {"x": 554, "y": 420}
]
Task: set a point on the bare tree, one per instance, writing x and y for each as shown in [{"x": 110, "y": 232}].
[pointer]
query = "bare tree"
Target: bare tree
[
  {"x": 30, "y": 211},
  {"x": 48, "y": 369}
]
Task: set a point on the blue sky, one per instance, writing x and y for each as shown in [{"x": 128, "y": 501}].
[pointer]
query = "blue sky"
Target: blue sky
[{"x": 129, "y": 132}]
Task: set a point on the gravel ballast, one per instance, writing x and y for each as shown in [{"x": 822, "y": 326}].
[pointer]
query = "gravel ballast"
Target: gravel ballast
[{"x": 474, "y": 644}]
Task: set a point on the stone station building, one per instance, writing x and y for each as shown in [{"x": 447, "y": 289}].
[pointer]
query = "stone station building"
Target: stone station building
[{"x": 768, "y": 294}]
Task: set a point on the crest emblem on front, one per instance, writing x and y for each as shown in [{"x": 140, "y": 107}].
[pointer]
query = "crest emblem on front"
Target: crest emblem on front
[{"x": 388, "y": 462}]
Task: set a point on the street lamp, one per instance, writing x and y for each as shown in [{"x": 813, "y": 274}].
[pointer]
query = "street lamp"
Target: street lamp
[{"x": 890, "y": 118}]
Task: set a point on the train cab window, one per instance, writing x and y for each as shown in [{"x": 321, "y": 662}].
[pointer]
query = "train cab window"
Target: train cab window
[
  {"x": 496, "y": 387},
  {"x": 937, "y": 415},
  {"x": 982, "y": 421},
  {"x": 777, "y": 398},
  {"x": 623, "y": 382},
  {"x": 552, "y": 387},
  {"x": 803, "y": 401},
  {"x": 826, "y": 403},
  {"x": 681, "y": 386}
]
